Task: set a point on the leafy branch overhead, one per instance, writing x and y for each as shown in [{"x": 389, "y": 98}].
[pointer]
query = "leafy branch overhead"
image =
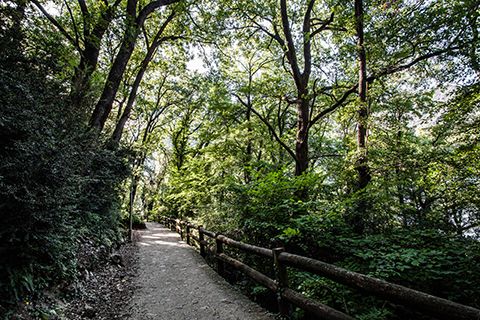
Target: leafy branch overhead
[{"x": 346, "y": 131}]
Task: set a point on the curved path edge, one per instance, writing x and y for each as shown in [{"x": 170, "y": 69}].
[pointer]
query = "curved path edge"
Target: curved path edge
[{"x": 174, "y": 282}]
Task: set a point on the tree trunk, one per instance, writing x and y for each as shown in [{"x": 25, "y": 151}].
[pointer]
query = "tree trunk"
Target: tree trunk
[
  {"x": 398, "y": 175},
  {"x": 89, "y": 56},
  {"x": 104, "y": 105},
  {"x": 133, "y": 192},
  {"x": 83, "y": 74},
  {"x": 301, "y": 144},
  {"x": 248, "y": 115},
  {"x": 359, "y": 216},
  {"x": 133, "y": 29},
  {"x": 117, "y": 133},
  {"x": 249, "y": 149}
]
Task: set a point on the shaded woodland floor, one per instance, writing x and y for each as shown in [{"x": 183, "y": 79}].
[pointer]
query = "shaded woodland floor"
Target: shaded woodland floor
[
  {"x": 156, "y": 277},
  {"x": 107, "y": 290}
]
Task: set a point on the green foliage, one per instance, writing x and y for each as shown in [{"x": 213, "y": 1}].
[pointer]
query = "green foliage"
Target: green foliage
[
  {"x": 57, "y": 184},
  {"x": 420, "y": 259},
  {"x": 208, "y": 143}
]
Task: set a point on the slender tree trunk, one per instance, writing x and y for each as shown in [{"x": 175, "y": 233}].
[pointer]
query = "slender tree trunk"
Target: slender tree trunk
[
  {"x": 474, "y": 59},
  {"x": 362, "y": 168},
  {"x": 133, "y": 29},
  {"x": 89, "y": 56},
  {"x": 133, "y": 191},
  {"x": 301, "y": 144},
  {"x": 104, "y": 105},
  {"x": 359, "y": 216},
  {"x": 398, "y": 179},
  {"x": 117, "y": 133},
  {"x": 249, "y": 149},
  {"x": 301, "y": 82},
  {"x": 248, "y": 115},
  {"x": 134, "y": 185}
]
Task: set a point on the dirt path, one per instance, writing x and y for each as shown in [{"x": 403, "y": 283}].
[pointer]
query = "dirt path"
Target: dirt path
[{"x": 175, "y": 283}]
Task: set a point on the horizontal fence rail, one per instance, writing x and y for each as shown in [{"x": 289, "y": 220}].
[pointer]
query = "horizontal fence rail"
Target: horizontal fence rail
[{"x": 420, "y": 301}]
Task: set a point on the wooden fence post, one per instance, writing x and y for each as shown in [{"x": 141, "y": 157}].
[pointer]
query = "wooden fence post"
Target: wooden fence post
[
  {"x": 180, "y": 224},
  {"x": 201, "y": 237},
  {"x": 188, "y": 233},
  {"x": 282, "y": 281},
  {"x": 220, "y": 264}
]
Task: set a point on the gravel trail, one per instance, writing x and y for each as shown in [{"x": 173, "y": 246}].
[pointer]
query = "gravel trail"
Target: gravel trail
[{"x": 174, "y": 282}]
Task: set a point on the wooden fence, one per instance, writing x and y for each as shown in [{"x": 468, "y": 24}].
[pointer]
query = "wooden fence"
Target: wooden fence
[{"x": 420, "y": 301}]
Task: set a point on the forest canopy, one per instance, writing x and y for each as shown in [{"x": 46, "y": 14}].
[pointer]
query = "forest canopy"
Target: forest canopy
[{"x": 348, "y": 131}]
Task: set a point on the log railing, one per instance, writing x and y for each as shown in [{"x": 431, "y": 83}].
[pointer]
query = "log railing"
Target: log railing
[{"x": 420, "y": 301}]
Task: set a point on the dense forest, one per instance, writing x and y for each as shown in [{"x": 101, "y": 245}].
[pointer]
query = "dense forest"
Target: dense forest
[{"x": 347, "y": 131}]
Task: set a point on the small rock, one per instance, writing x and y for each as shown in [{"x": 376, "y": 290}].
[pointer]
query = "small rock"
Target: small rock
[
  {"x": 89, "y": 311},
  {"x": 116, "y": 259}
]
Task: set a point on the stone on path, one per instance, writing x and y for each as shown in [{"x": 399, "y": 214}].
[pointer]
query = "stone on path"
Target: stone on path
[{"x": 175, "y": 283}]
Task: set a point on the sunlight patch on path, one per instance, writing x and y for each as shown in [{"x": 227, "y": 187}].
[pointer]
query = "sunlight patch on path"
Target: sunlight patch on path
[{"x": 174, "y": 282}]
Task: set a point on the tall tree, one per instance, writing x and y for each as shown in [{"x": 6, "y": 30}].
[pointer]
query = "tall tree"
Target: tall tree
[
  {"x": 133, "y": 27},
  {"x": 151, "y": 49},
  {"x": 87, "y": 40},
  {"x": 329, "y": 84},
  {"x": 361, "y": 162}
]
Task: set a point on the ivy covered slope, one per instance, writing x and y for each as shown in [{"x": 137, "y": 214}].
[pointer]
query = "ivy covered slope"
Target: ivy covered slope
[
  {"x": 346, "y": 131},
  {"x": 58, "y": 185}
]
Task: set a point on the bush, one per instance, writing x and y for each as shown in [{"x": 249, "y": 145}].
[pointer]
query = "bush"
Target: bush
[{"x": 57, "y": 184}]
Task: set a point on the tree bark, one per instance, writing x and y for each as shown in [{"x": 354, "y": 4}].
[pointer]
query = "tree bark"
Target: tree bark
[
  {"x": 301, "y": 144},
  {"x": 134, "y": 24},
  {"x": 117, "y": 133},
  {"x": 359, "y": 215},
  {"x": 89, "y": 55},
  {"x": 92, "y": 38},
  {"x": 301, "y": 80},
  {"x": 104, "y": 105},
  {"x": 249, "y": 148}
]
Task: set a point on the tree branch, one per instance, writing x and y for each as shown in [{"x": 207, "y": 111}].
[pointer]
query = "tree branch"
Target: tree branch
[
  {"x": 149, "y": 8},
  {"x": 85, "y": 16},
  {"x": 324, "y": 25},
  {"x": 291, "y": 52},
  {"x": 156, "y": 41},
  {"x": 334, "y": 106},
  {"x": 387, "y": 71},
  {"x": 56, "y": 24},
  {"x": 75, "y": 29},
  {"x": 307, "y": 42},
  {"x": 269, "y": 126},
  {"x": 397, "y": 68},
  {"x": 274, "y": 35}
]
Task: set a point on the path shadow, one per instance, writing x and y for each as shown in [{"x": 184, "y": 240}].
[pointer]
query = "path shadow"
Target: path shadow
[{"x": 155, "y": 235}]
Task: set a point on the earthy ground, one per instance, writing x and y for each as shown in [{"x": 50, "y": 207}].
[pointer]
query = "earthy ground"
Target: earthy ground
[
  {"x": 104, "y": 287},
  {"x": 156, "y": 277},
  {"x": 174, "y": 282},
  {"x": 107, "y": 290}
]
